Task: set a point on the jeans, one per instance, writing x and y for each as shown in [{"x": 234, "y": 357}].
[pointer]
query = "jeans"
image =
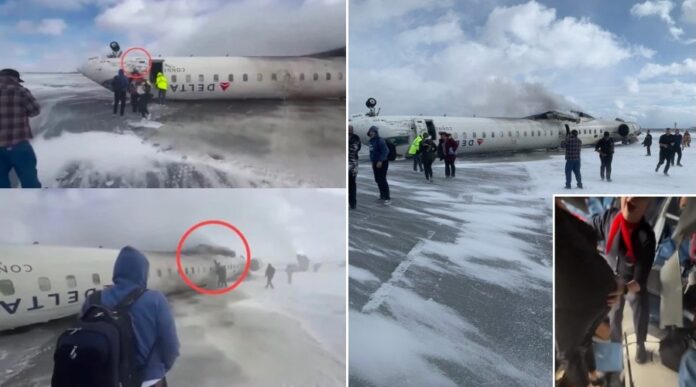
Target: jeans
[
  {"x": 161, "y": 95},
  {"x": 119, "y": 98},
  {"x": 449, "y": 168},
  {"x": 417, "y": 163},
  {"x": 648, "y": 147},
  {"x": 22, "y": 159},
  {"x": 664, "y": 158},
  {"x": 640, "y": 304},
  {"x": 428, "y": 167},
  {"x": 143, "y": 100},
  {"x": 678, "y": 151},
  {"x": 606, "y": 166},
  {"x": 573, "y": 166},
  {"x": 352, "y": 189},
  {"x": 381, "y": 179}
]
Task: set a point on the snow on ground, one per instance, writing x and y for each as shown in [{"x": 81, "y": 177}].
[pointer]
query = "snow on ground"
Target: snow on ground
[
  {"x": 293, "y": 335},
  {"x": 185, "y": 144}
]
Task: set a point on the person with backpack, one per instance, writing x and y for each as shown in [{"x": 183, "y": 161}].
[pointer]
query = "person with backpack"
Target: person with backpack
[
  {"x": 428, "y": 151},
  {"x": 380, "y": 154},
  {"x": 605, "y": 147},
  {"x": 119, "y": 84},
  {"x": 450, "y": 148},
  {"x": 270, "y": 273},
  {"x": 414, "y": 151},
  {"x": 647, "y": 142},
  {"x": 128, "y": 324}
]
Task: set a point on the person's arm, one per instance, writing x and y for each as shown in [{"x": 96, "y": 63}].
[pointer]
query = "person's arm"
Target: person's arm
[
  {"x": 643, "y": 268},
  {"x": 596, "y": 147},
  {"x": 168, "y": 339},
  {"x": 383, "y": 150},
  {"x": 30, "y": 103},
  {"x": 599, "y": 223}
]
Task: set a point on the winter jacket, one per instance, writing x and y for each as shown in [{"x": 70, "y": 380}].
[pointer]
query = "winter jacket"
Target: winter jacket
[
  {"x": 379, "y": 152},
  {"x": 428, "y": 150},
  {"x": 161, "y": 81},
  {"x": 354, "y": 146},
  {"x": 153, "y": 323},
  {"x": 647, "y": 141},
  {"x": 605, "y": 146},
  {"x": 451, "y": 149},
  {"x": 415, "y": 145},
  {"x": 666, "y": 141},
  {"x": 119, "y": 83}
]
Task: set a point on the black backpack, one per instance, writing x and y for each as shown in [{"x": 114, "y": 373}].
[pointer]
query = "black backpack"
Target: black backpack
[
  {"x": 392, "y": 150},
  {"x": 100, "y": 350},
  {"x": 672, "y": 348}
]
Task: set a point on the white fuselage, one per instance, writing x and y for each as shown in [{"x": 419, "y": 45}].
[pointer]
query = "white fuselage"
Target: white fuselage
[
  {"x": 42, "y": 283},
  {"x": 489, "y": 135},
  {"x": 192, "y": 78}
]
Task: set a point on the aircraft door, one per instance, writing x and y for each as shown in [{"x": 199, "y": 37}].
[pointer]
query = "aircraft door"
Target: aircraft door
[
  {"x": 417, "y": 128},
  {"x": 431, "y": 129}
]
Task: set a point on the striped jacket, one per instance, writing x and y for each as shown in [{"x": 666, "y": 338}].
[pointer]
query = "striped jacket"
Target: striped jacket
[{"x": 16, "y": 106}]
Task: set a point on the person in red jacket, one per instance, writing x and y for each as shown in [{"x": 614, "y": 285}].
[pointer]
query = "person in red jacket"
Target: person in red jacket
[{"x": 451, "y": 146}]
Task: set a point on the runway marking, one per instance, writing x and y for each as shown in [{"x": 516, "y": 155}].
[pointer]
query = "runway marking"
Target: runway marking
[{"x": 379, "y": 296}]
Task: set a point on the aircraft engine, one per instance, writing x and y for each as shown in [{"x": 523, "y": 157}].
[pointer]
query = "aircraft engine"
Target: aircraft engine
[{"x": 624, "y": 130}]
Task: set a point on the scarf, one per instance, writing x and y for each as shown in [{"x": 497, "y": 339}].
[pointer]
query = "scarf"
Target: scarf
[{"x": 626, "y": 230}]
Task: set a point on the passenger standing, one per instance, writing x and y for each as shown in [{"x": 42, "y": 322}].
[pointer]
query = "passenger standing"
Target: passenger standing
[
  {"x": 605, "y": 147},
  {"x": 677, "y": 147},
  {"x": 270, "y": 272},
  {"x": 119, "y": 84},
  {"x": 572, "y": 146},
  {"x": 161, "y": 83},
  {"x": 354, "y": 146},
  {"x": 665, "y": 142},
  {"x": 441, "y": 146},
  {"x": 133, "y": 91},
  {"x": 647, "y": 142},
  {"x": 687, "y": 139},
  {"x": 17, "y": 104},
  {"x": 144, "y": 95},
  {"x": 414, "y": 151},
  {"x": 379, "y": 157},
  {"x": 450, "y": 155},
  {"x": 428, "y": 151}
]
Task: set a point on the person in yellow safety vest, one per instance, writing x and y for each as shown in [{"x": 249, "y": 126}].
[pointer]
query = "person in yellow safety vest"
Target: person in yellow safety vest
[
  {"x": 161, "y": 83},
  {"x": 414, "y": 151}
]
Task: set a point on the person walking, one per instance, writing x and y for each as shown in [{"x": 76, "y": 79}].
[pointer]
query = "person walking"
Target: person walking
[
  {"x": 414, "y": 151},
  {"x": 450, "y": 148},
  {"x": 605, "y": 147},
  {"x": 687, "y": 139},
  {"x": 144, "y": 95},
  {"x": 379, "y": 157},
  {"x": 17, "y": 105},
  {"x": 665, "y": 143},
  {"x": 119, "y": 84},
  {"x": 572, "y": 145},
  {"x": 161, "y": 83},
  {"x": 677, "y": 147},
  {"x": 428, "y": 152},
  {"x": 354, "y": 146},
  {"x": 270, "y": 273},
  {"x": 647, "y": 142}
]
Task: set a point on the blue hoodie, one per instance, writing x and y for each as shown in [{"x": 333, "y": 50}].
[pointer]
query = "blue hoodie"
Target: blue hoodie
[
  {"x": 378, "y": 147},
  {"x": 120, "y": 82},
  {"x": 152, "y": 319}
]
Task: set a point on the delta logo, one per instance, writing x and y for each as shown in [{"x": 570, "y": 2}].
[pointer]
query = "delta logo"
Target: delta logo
[
  {"x": 479, "y": 141},
  {"x": 224, "y": 85}
]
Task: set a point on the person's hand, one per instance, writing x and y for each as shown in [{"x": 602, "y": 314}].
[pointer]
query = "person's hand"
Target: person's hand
[
  {"x": 614, "y": 297},
  {"x": 633, "y": 287},
  {"x": 379, "y": 164}
]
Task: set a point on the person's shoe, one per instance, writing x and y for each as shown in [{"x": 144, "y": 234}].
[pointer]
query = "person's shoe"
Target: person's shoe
[
  {"x": 656, "y": 168},
  {"x": 602, "y": 179},
  {"x": 679, "y": 165},
  {"x": 352, "y": 207},
  {"x": 580, "y": 185},
  {"x": 387, "y": 202},
  {"x": 641, "y": 354},
  {"x": 567, "y": 187},
  {"x": 608, "y": 179},
  {"x": 666, "y": 174},
  {"x": 600, "y": 381}
]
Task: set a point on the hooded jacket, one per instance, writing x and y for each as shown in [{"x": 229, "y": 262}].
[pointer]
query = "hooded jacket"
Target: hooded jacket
[
  {"x": 119, "y": 83},
  {"x": 415, "y": 145},
  {"x": 152, "y": 319},
  {"x": 161, "y": 81},
  {"x": 378, "y": 147}
]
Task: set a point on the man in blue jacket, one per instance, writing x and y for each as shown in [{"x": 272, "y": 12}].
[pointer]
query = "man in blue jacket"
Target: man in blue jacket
[
  {"x": 119, "y": 84},
  {"x": 153, "y": 323},
  {"x": 379, "y": 156}
]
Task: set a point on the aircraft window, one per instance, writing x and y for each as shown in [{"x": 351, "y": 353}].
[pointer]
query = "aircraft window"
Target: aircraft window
[
  {"x": 173, "y": 78},
  {"x": 186, "y": 270},
  {"x": 245, "y": 77},
  {"x": 201, "y": 78},
  {"x": 584, "y": 131},
  {"x": 328, "y": 76},
  {"x": 95, "y": 279},
  {"x": 170, "y": 271},
  {"x": 464, "y": 135},
  {"x": 159, "y": 273},
  {"x": 539, "y": 133},
  {"x": 316, "y": 76},
  {"x": 44, "y": 284},
  {"x": 301, "y": 76},
  {"x": 492, "y": 134},
  {"x": 340, "y": 76},
  {"x": 216, "y": 78},
  {"x": 230, "y": 78},
  {"x": 517, "y": 132},
  {"x": 274, "y": 77},
  {"x": 259, "y": 77},
  {"x": 473, "y": 135},
  {"x": 484, "y": 134},
  {"x": 525, "y": 133},
  {"x": 7, "y": 287},
  {"x": 509, "y": 133},
  {"x": 502, "y": 134},
  {"x": 532, "y": 133},
  {"x": 72, "y": 282},
  {"x": 188, "y": 78}
]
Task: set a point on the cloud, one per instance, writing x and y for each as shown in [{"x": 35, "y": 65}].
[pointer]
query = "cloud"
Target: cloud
[
  {"x": 444, "y": 31},
  {"x": 53, "y": 27},
  {"x": 369, "y": 12},
  {"x": 632, "y": 85},
  {"x": 661, "y": 8},
  {"x": 689, "y": 11},
  {"x": 652, "y": 70}
]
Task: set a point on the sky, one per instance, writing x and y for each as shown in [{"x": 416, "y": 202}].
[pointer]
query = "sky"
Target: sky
[
  {"x": 59, "y": 35},
  {"x": 278, "y": 223},
  {"x": 630, "y": 59}
]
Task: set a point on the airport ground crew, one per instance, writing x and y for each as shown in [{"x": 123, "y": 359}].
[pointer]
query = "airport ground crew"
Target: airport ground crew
[
  {"x": 354, "y": 146},
  {"x": 270, "y": 272},
  {"x": 677, "y": 147},
  {"x": 428, "y": 152},
  {"x": 119, "y": 84},
  {"x": 153, "y": 322},
  {"x": 17, "y": 104},
  {"x": 572, "y": 146},
  {"x": 630, "y": 252},
  {"x": 665, "y": 143},
  {"x": 414, "y": 151},
  {"x": 647, "y": 142},
  {"x": 451, "y": 146},
  {"x": 379, "y": 157},
  {"x": 605, "y": 147},
  {"x": 161, "y": 83}
]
